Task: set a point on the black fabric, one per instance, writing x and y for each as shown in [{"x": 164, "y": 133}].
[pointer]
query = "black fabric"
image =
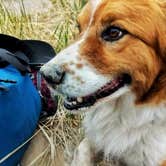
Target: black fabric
[
  {"x": 13, "y": 45},
  {"x": 9, "y": 57},
  {"x": 8, "y": 42},
  {"x": 22, "y": 57},
  {"x": 41, "y": 51},
  {"x": 38, "y": 52}
]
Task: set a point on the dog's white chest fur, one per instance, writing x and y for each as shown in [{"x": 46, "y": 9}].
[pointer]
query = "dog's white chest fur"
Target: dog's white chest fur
[{"x": 132, "y": 133}]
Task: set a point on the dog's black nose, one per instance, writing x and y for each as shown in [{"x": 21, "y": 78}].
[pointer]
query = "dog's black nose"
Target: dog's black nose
[{"x": 53, "y": 75}]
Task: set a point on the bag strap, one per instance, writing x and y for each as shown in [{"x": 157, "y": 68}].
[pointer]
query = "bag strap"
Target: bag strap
[
  {"x": 18, "y": 60},
  {"x": 21, "y": 56}
]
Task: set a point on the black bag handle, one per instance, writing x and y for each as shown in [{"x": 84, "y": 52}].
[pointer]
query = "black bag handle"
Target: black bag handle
[{"x": 18, "y": 60}]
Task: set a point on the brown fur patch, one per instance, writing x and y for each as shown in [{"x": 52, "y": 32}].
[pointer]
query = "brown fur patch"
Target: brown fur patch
[
  {"x": 79, "y": 65},
  {"x": 141, "y": 53},
  {"x": 66, "y": 68},
  {"x": 164, "y": 163}
]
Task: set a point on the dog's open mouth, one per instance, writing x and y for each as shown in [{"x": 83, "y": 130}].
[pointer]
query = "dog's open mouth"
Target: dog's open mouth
[{"x": 76, "y": 103}]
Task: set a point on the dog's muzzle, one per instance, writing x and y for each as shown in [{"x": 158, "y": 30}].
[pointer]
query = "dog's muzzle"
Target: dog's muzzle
[{"x": 53, "y": 75}]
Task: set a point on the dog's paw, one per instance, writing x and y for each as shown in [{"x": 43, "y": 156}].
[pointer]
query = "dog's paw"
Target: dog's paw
[{"x": 82, "y": 155}]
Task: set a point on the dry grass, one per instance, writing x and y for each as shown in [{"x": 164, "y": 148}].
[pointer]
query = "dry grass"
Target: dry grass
[{"x": 56, "y": 26}]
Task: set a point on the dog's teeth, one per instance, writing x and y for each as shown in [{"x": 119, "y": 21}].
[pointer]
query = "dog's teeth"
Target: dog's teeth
[
  {"x": 83, "y": 109},
  {"x": 80, "y": 100},
  {"x": 74, "y": 102},
  {"x": 69, "y": 103}
]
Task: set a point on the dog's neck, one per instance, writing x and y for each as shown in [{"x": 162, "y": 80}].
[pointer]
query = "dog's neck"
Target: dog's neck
[{"x": 121, "y": 129}]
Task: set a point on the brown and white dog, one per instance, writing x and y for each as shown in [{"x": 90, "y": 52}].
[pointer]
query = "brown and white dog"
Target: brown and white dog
[{"x": 116, "y": 72}]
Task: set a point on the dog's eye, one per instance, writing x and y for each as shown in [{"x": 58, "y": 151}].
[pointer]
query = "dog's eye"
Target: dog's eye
[{"x": 112, "y": 34}]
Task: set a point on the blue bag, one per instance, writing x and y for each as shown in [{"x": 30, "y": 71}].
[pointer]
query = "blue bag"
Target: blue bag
[
  {"x": 20, "y": 103},
  {"x": 20, "y": 107}
]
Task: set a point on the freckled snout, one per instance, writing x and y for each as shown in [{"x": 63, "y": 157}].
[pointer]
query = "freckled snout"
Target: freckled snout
[{"x": 53, "y": 74}]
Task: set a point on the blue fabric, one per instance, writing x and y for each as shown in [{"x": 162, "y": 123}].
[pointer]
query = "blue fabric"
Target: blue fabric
[{"x": 20, "y": 108}]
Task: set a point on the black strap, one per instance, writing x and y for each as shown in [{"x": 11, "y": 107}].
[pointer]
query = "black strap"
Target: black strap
[
  {"x": 18, "y": 60},
  {"x": 21, "y": 56}
]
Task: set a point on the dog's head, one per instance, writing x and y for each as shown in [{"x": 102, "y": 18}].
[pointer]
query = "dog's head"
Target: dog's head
[{"x": 122, "y": 47}]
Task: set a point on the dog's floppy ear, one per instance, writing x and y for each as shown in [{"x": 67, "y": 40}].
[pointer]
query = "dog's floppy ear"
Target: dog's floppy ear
[
  {"x": 86, "y": 13},
  {"x": 83, "y": 18},
  {"x": 162, "y": 28},
  {"x": 162, "y": 3}
]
